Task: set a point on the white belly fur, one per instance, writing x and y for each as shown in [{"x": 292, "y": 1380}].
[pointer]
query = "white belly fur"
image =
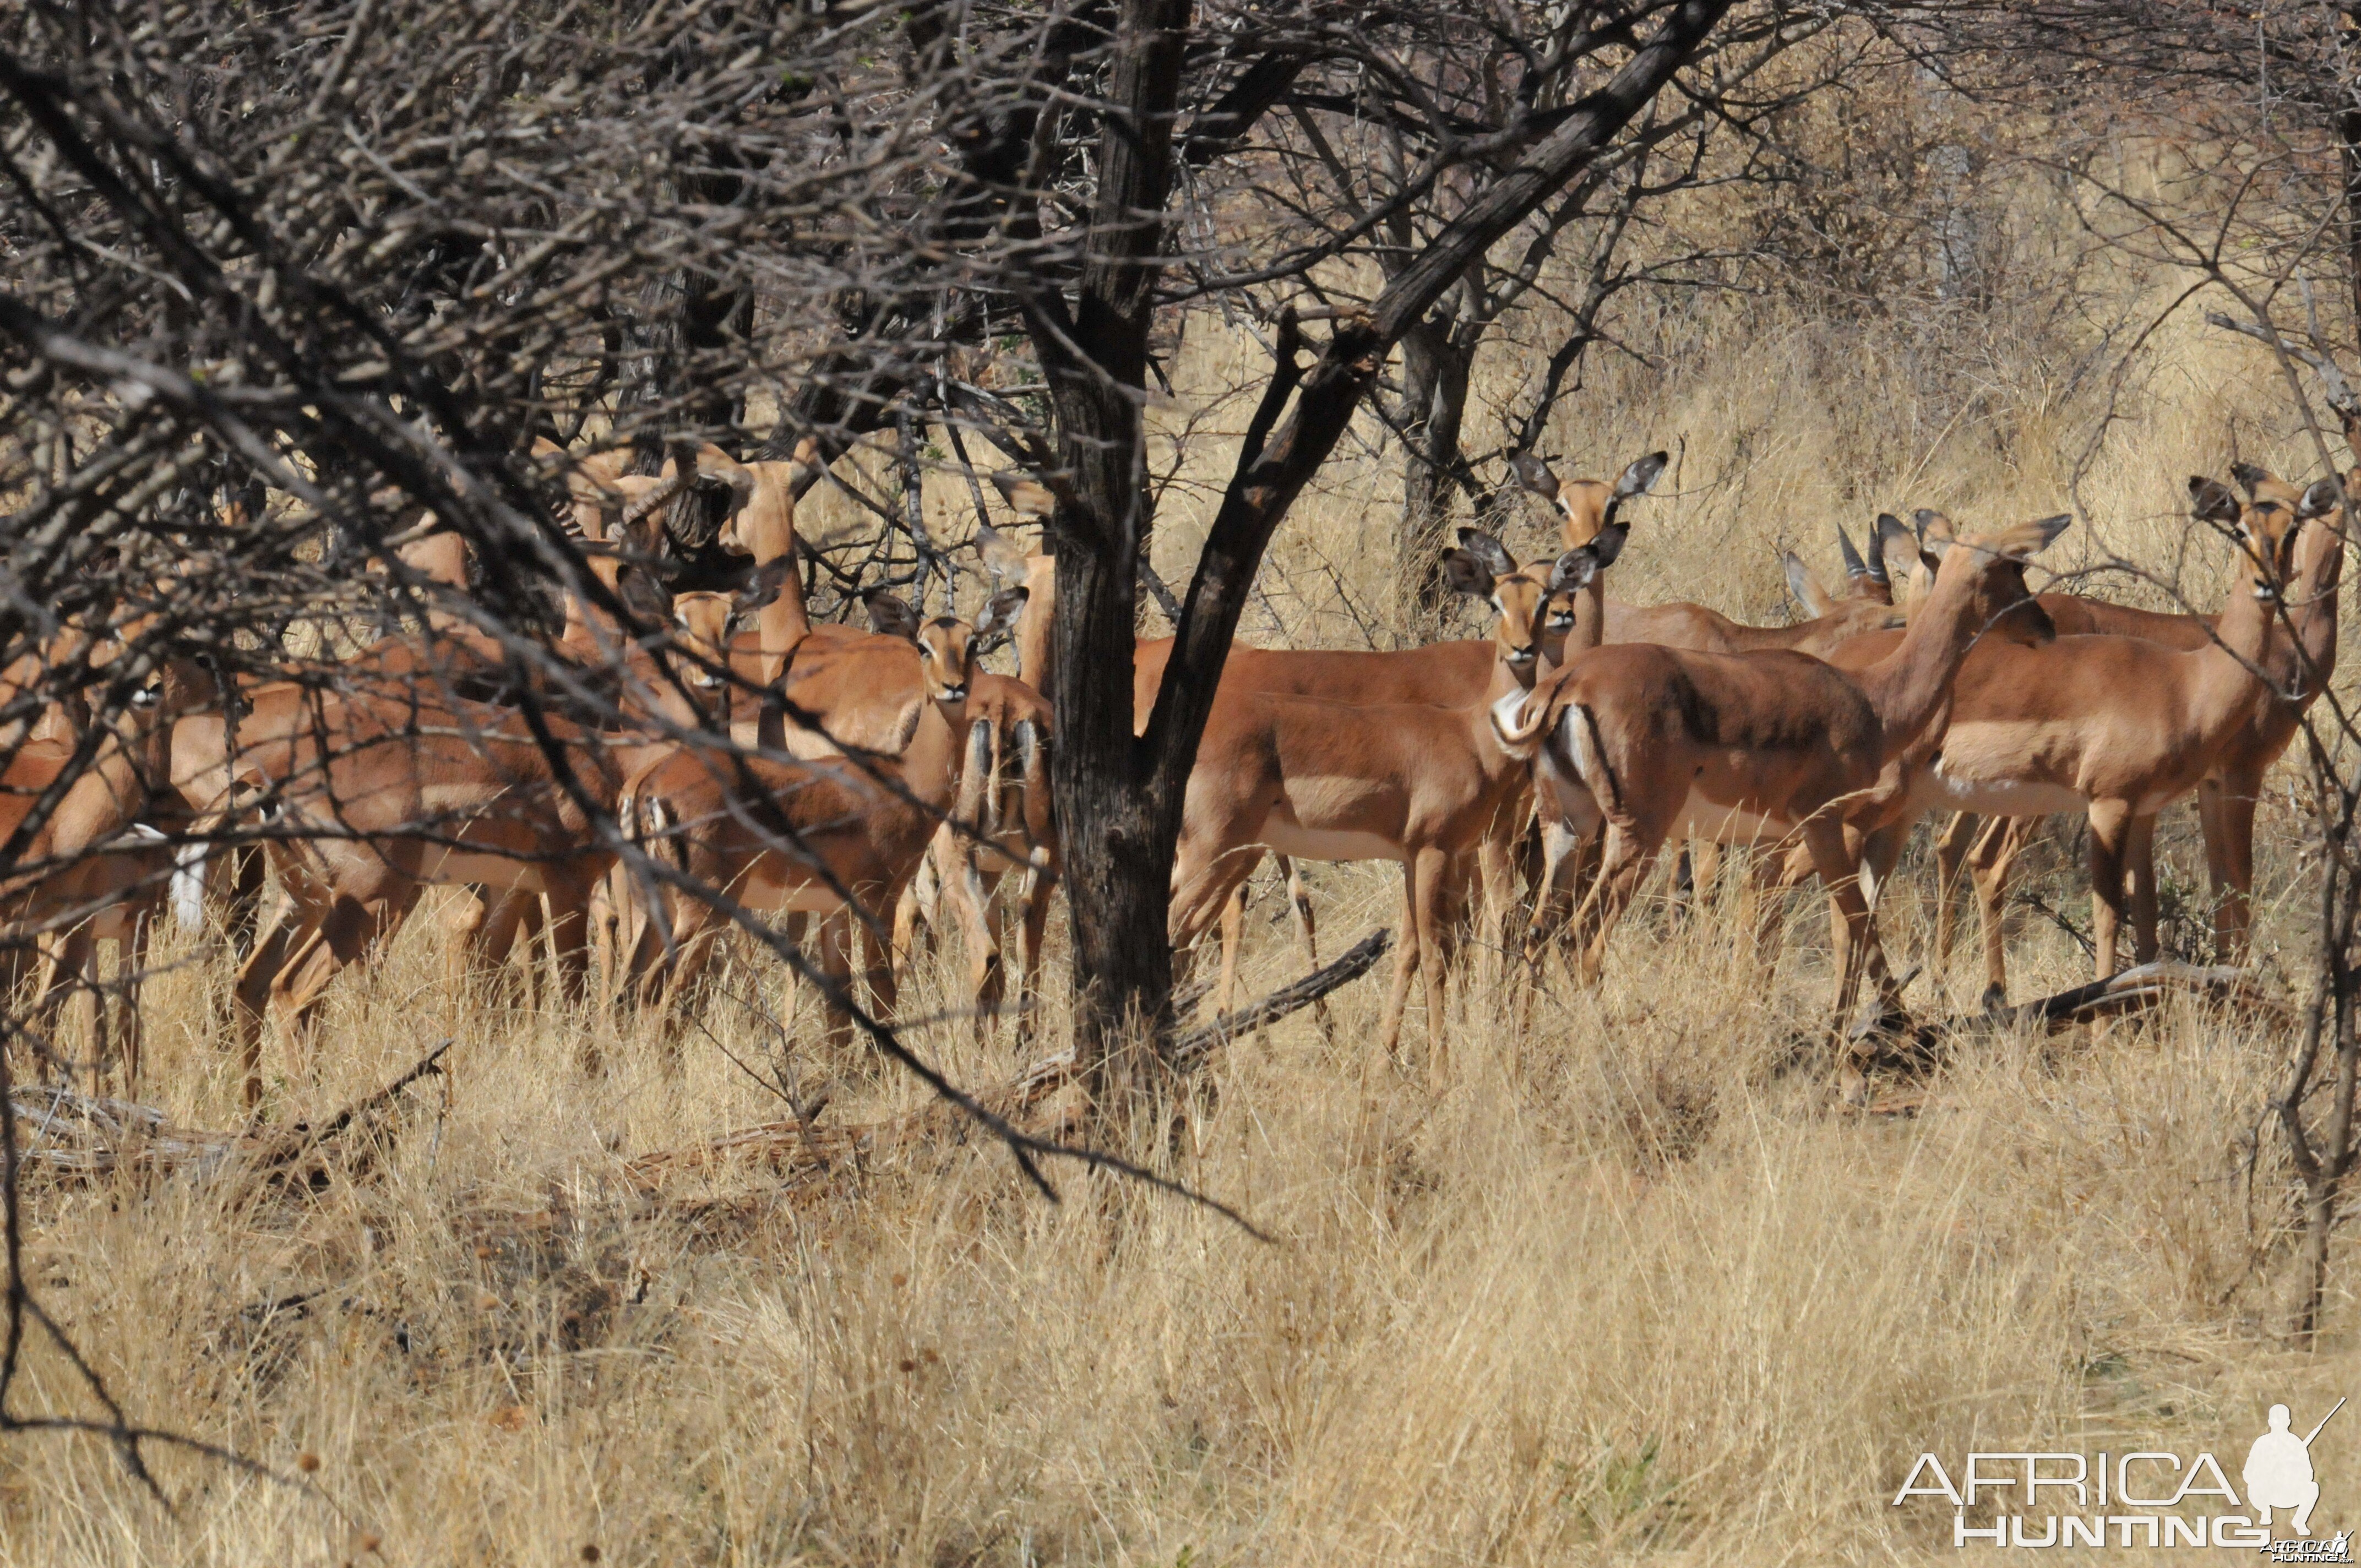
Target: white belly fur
[
  {"x": 1302, "y": 843},
  {"x": 1715, "y": 823},
  {"x": 1996, "y": 797}
]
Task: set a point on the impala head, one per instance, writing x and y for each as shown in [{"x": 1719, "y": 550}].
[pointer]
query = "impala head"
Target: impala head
[
  {"x": 1990, "y": 568},
  {"x": 2266, "y": 523},
  {"x": 702, "y": 629},
  {"x": 1533, "y": 603},
  {"x": 948, "y": 646},
  {"x": 1588, "y": 507}
]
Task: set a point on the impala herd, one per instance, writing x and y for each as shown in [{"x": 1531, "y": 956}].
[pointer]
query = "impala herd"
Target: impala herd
[{"x": 628, "y": 797}]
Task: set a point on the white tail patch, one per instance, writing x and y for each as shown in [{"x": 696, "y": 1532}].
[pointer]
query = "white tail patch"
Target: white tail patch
[{"x": 189, "y": 887}]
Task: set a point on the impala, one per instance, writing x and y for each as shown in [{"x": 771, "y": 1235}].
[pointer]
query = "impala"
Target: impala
[
  {"x": 1411, "y": 781},
  {"x": 1442, "y": 674},
  {"x": 830, "y": 835},
  {"x": 1755, "y": 748},
  {"x": 2119, "y": 727},
  {"x": 1001, "y": 824}
]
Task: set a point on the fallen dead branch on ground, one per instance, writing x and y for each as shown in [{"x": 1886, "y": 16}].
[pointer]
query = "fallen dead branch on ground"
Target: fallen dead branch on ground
[
  {"x": 1043, "y": 1099},
  {"x": 86, "y": 1137},
  {"x": 2133, "y": 991}
]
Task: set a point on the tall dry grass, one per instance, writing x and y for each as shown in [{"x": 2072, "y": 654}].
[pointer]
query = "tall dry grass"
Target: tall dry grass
[{"x": 1625, "y": 1289}]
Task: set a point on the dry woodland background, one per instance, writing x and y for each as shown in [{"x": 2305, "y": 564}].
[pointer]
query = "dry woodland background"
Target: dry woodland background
[{"x": 1627, "y": 1287}]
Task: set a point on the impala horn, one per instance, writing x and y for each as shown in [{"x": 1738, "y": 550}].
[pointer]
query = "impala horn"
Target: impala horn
[{"x": 1855, "y": 567}]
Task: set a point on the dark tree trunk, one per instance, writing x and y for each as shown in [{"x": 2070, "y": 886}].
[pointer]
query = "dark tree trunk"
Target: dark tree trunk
[
  {"x": 1117, "y": 851},
  {"x": 1434, "y": 399}
]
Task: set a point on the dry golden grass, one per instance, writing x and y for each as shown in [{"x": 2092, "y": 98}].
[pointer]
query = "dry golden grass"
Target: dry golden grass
[{"x": 1627, "y": 1287}]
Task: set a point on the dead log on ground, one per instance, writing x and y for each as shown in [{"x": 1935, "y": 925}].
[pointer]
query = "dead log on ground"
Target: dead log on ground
[{"x": 794, "y": 1150}]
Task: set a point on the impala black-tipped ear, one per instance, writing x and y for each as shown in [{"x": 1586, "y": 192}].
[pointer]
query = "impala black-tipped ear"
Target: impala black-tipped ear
[
  {"x": 998, "y": 621},
  {"x": 1639, "y": 477},
  {"x": 1892, "y": 532},
  {"x": 2248, "y": 477},
  {"x": 1489, "y": 550},
  {"x": 1855, "y": 567},
  {"x": 2211, "y": 500},
  {"x": 1572, "y": 572},
  {"x": 1466, "y": 573},
  {"x": 1533, "y": 476},
  {"x": 2320, "y": 498},
  {"x": 1931, "y": 524},
  {"x": 1610, "y": 544},
  {"x": 890, "y": 616}
]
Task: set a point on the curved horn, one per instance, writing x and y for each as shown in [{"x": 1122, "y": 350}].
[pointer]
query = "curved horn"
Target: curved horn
[{"x": 1855, "y": 567}]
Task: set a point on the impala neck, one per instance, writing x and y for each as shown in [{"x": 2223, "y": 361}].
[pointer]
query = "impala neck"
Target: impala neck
[
  {"x": 1036, "y": 658},
  {"x": 2319, "y": 571},
  {"x": 2250, "y": 639},
  {"x": 1910, "y": 688},
  {"x": 766, "y": 524}
]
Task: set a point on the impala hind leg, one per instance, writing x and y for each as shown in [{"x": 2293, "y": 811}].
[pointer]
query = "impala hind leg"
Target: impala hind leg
[
  {"x": 2139, "y": 883},
  {"x": 2226, "y": 806},
  {"x": 1406, "y": 963},
  {"x": 1952, "y": 847},
  {"x": 2112, "y": 837},
  {"x": 1307, "y": 934},
  {"x": 1990, "y": 863},
  {"x": 291, "y": 927},
  {"x": 1624, "y": 862},
  {"x": 1432, "y": 885}
]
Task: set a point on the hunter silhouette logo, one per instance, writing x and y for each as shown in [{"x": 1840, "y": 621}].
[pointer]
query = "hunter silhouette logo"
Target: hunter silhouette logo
[
  {"x": 2279, "y": 1471},
  {"x": 2152, "y": 1500}
]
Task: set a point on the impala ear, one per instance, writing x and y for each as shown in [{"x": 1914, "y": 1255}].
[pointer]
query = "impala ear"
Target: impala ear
[
  {"x": 1003, "y": 556},
  {"x": 1489, "y": 550},
  {"x": 1610, "y": 544},
  {"x": 1639, "y": 477},
  {"x": 1573, "y": 571},
  {"x": 890, "y": 616},
  {"x": 1466, "y": 574},
  {"x": 2029, "y": 538},
  {"x": 1533, "y": 476},
  {"x": 1026, "y": 496},
  {"x": 998, "y": 621},
  {"x": 769, "y": 578},
  {"x": 1855, "y": 567},
  {"x": 1933, "y": 525},
  {"x": 2250, "y": 478},
  {"x": 2211, "y": 499},
  {"x": 2322, "y": 498},
  {"x": 1804, "y": 586},
  {"x": 1892, "y": 549}
]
